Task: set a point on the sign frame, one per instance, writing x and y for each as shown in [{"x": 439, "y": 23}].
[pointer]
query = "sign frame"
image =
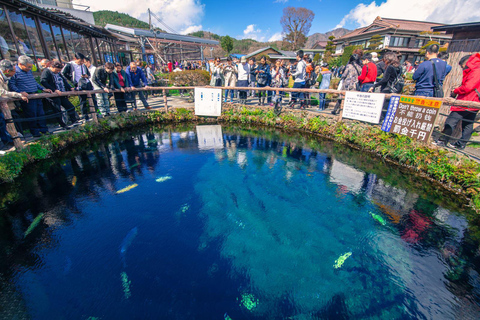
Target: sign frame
[
  {"x": 363, "y": 106},
  {"x": 208, "y": 102}
]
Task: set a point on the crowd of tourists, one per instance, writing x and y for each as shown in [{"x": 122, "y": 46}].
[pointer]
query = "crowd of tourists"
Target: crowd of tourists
[{"x": 18, "y": 81}]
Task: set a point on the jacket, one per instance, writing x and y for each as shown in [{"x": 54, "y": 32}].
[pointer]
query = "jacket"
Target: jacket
[
  {"x": 470, "y": 82},
  {"x": 300, "y": 73},
  {"x": 230, "y": 75},
  {"x": 48, "y": 81},
  {"x": 84, "y": 85},
  {"x": 350, "y": 76},
  {"x": 100, "y": 77},
  {"x": 388, "y": 79},
  {"x": 368, "y": 76},
  {"x": 68, "y": 72},
  {"x": 5, "y": 93},
  {"x": 125, "y": 78},
  {"x": 135, "y": 77},
  {"x": 424, "y": 74},
  {"x": 326, "y": 78}
]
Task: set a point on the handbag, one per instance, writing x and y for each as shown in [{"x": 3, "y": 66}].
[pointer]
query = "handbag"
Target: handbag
[
  {"x": 437, "y": 87},
  {"x": 396, "y": 86}
]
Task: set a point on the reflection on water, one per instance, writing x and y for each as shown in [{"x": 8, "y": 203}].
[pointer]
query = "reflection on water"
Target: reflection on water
[{"x": 206, "y": 221}]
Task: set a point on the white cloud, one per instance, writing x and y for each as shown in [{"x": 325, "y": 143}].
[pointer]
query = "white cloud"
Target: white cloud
[
  {"x": 280, "y": 1},
  {"x": 251, "y": 33},
  {"x": 443, "y": 11},
  {"x": 191, "y": 29},
  {"x": 179, "y": 15},
  {"x": 276, "y": 37}
]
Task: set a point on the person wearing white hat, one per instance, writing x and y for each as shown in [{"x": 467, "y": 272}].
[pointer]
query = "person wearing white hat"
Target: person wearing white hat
[{"x": 243, "y": 73}]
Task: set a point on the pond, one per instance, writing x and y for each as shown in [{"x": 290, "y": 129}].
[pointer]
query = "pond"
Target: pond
[{"x": 212, "y": 222}]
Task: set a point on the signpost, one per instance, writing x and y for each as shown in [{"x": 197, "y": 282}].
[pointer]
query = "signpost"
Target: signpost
[
  {"x": 411, "y": 116},
  {"x": 208, "y": 102},
  {"x": 363, "y": 106}
]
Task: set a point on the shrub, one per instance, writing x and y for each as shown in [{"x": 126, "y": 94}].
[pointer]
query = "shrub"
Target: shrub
[{"x": 189, "y": 78}]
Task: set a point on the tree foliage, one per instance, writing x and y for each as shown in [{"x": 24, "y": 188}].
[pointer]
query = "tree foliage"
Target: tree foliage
[
  {"x": 105, "y": 16},
  {"x": 423, "y": 49},
  {"x": 227, "y": 44},
  {"x": 347, "y": 53},
  {"x": 329, "y": 50},
  {"x": 296, "y": 24},
  {"x": 374, "y": 43}
]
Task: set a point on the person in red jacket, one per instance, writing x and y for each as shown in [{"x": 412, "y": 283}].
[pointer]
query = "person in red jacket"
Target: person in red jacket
[
  {"x": 468, "y": 91},
  {"x": 369, "y": 73}
]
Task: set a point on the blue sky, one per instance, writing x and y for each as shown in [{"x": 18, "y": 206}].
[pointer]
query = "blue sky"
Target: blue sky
[{"x": 260, "y": 19}]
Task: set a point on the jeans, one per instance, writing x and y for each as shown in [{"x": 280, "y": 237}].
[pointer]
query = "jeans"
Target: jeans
[
  {"x": 120, "y": 101},
  {"x": 103, "y": 103},
  {"x": 298, "y": 95},
  {"x": 33, "y": 109},
  {"x": 241, "y": 93},
  {"x": 142, "y": 97},
  {"x": 366, "y": 86},
  {"x": 4, "y": 135},
  {"x": 231, "y": 94},
  {"x": 321, "y": 101},
  {"x": 467, "y": 118},
  {"x": 69, "y": 108},
  {"x": 424, "y": 93}
]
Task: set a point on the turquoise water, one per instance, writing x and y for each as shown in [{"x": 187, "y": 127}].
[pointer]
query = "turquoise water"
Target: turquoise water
[{"x": 214, "y": 222}]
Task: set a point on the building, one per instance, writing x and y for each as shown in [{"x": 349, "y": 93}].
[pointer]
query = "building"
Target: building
[
  {"x": 406, "y": 37},
  {"x": 267, "y": 51},
  {"x": 29, "y": 29}
]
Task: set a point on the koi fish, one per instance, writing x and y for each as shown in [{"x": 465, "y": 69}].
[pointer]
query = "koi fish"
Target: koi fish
[
  {"x": 130, "y": 187},
  {"x": 74, "y": 181},
  {"x": 134, "y": 165},
  {"x": 184, "y": 208},
  {"x": 378, "y": 218},
  {"x": 34, "y": 223},
  {"x": 126, "y": 285},
  {"x": 127, "y": 241},
  {"x": 164, "y": 178},
  {"x": 341, "y": 260}
]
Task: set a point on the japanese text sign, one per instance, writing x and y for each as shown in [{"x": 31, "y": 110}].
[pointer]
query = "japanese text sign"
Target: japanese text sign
[
  {"x": 411, "y": 116},
  {"x": 363, "y": 106}
]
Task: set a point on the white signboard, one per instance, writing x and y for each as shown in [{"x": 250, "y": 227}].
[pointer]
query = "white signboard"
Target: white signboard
[
  {"x": 208, "y": 102},
  {"x": 363, "y": 106},
  {"x": 210, "y": 137}
]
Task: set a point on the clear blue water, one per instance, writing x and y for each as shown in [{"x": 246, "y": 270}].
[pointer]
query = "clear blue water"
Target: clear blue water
[{"x": 232, "y": 223}]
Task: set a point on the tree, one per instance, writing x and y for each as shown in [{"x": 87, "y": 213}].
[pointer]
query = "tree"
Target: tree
[
  {"x": 227, "y": 44},
  {"x": 423, "y": 49},
  {"x": 329, "y": 50},
  {"x": 347, "y": 53},
  {"x": 296, "y": 24},
  {"x": 316, "y": 58},
  {"x": 374, "y": 43}
]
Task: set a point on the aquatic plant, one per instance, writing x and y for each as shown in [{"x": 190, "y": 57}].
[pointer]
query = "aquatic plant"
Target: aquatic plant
[
  {"x": 341, "y": 260},
  {"x": 126, "y": 285},
  {"x": 248, "y": 301}
]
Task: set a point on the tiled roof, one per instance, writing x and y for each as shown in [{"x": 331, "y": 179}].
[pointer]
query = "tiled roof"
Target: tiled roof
[
  {"x": 381, "y": 24},
  {"x": 254, "y": 53}
]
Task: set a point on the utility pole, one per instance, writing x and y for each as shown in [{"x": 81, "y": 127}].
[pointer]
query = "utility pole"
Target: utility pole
[{"x": 149, "y": 20}]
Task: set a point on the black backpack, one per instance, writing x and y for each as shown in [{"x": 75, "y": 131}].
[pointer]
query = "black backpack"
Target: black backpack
[{"x": 396, "y": 86}]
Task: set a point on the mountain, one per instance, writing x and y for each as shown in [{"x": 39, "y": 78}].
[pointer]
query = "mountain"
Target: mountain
[
  {"x": 314, "y": 38},
  {"x": 121, "y": 19}
]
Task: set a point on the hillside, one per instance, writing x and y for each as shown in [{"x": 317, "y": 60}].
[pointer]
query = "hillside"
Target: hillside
[
  {"x": 105, "y": 16},
  {"x": 314, "y": 38}
]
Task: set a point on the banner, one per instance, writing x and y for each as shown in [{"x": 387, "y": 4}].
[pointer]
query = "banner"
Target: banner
[
  {"x": 412, "y": 117},
  {"x": 363, "y": 106},
  {"x": 208, "y": 102}
]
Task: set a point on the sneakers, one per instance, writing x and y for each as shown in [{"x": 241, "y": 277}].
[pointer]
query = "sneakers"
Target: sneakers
[
  {"x": 439, "y": 143},
  {"x": 148, "y": 108},
  {"x": 458, "y": 145}
]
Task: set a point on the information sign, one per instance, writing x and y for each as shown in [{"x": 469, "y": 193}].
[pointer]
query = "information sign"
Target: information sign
[
  {"x": 411, "y": 116},
  {"x": 363, "y": 106},
  {"x": 208, "y": 102}
]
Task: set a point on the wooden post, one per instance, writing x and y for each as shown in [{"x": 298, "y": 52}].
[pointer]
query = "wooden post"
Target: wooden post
[
  {"x": 92, "y": 110},
  {"x": 11, "y": 126},
  {"x": 340, "y": 115},
  {"x": 165, "y": 100}
]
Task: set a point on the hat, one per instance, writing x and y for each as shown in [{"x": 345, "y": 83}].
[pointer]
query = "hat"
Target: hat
[
  {"x": 374, "y": 56},
  {"x": 243, "y": 59}
]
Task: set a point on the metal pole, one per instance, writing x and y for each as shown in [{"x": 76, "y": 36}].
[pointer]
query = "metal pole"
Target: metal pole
[{"x": 11, "y": 126}]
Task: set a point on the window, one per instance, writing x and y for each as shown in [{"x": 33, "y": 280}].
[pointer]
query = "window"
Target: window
[
  {"x": 399, "y": 42},
  {"x": 62, "y": 50},
  {"x": 7, "y": 44},
  {"x": 419, "y": 43},
  {"x": 88, "y": 47},
  {"x": 49, "y": 40},
  {"x": 33, "y": 36}
]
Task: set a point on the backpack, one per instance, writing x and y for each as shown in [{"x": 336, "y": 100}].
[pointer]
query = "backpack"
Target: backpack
[
  {"x": 311, "y": 79},
  {"x": 396, "y": 86},
  {"x": 437, "y": 87}
]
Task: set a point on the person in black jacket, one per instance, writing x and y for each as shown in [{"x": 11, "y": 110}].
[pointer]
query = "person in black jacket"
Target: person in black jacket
[
  {"x": 104, "y": 79},
  {"x": 392, "y": 70},
  {"x": 120, "y": 97},
  {"x": 53, "y": 80},
  {"x": 84, "y": 84},
  {"x": 73, "y": 72}
]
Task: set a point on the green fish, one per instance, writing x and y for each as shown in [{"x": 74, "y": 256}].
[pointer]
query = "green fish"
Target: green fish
[
  {"x": 184, "y": 208},
  {"x": 341, "y": 260},
  {"x": 33, "y": 224},
  {"x": 134, "y": 165},
  {"x": 227, "y": 317},
  {"x": 249, "y": 301},
  {"x": 378, "y": 218},
  {"x": 126, "y": 285},
  {"x": 164, "y": 178}
]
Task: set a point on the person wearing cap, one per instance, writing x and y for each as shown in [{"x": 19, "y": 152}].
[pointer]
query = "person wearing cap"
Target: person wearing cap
[{"x": 243, "y": 74}]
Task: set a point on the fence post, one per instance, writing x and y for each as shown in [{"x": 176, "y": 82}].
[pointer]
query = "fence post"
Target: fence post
[
  {"x": 340, "y": 115},
  {"x": 92, "y": 110},
  {"x": 11, "y": 126},
  {"x": 165, "y": 100}
]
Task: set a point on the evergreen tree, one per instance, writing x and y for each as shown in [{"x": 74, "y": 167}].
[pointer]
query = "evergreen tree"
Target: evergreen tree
[
  {"x": 227, "y": 44},
  {"x": 374, "y": 43}
]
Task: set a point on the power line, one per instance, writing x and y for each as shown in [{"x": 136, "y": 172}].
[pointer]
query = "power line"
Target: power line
[{"x": 161, "y": 22}]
